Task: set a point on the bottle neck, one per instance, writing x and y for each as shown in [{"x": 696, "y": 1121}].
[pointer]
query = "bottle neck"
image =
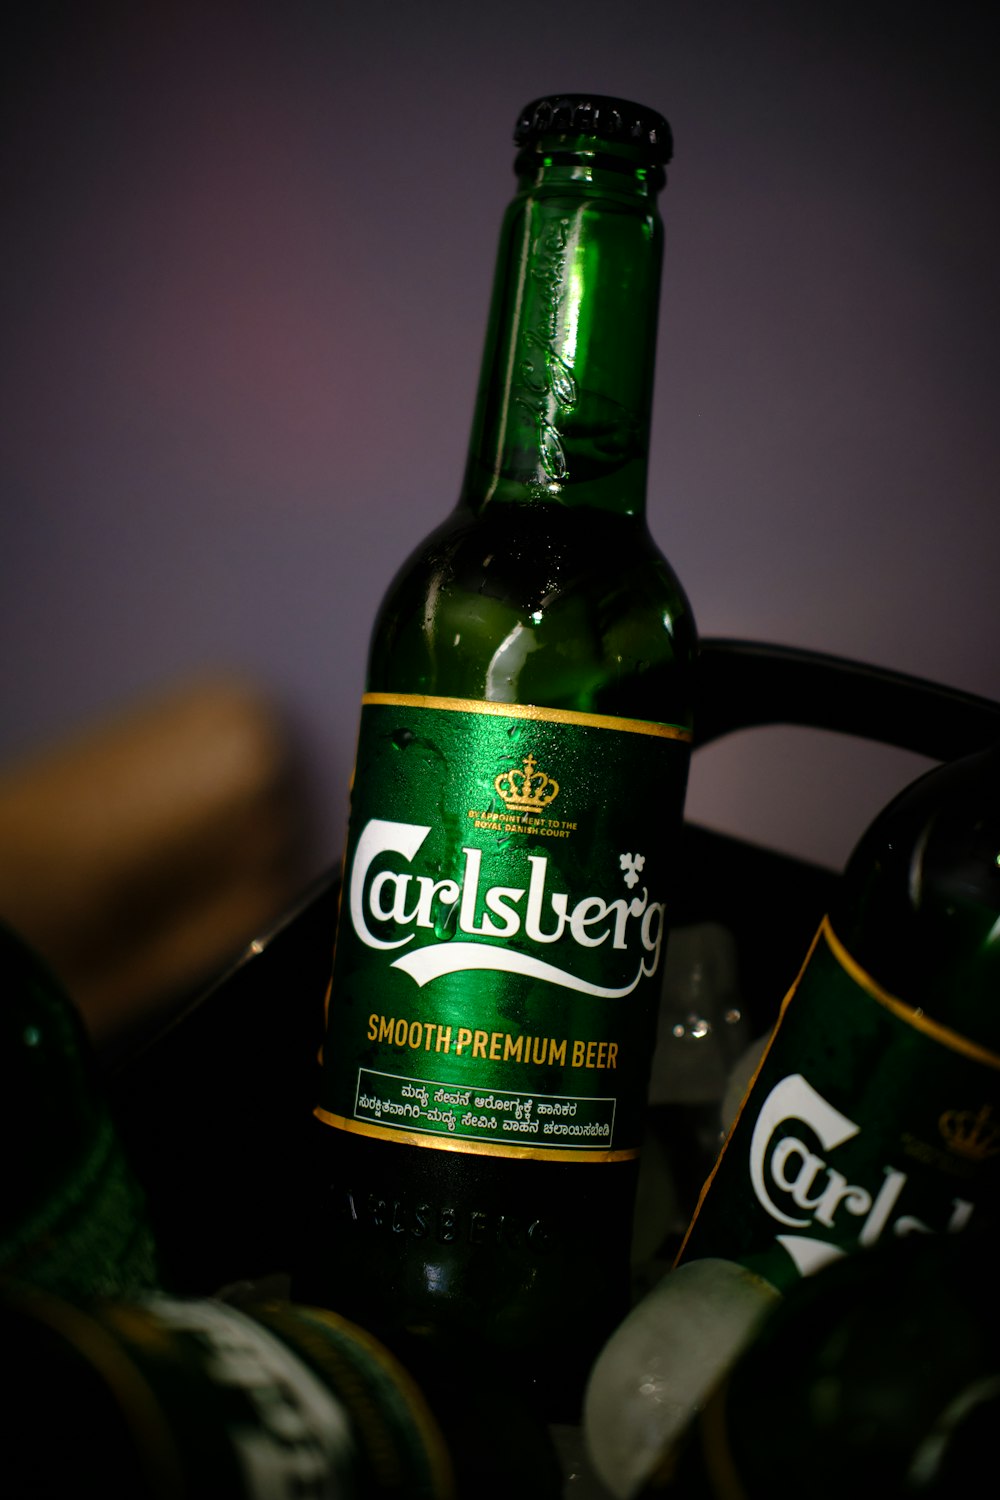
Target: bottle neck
[{"x": 565, "y": 393}]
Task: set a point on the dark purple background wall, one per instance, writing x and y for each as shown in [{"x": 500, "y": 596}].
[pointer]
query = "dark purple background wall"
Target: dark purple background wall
[{"x": 246, "y": 260}]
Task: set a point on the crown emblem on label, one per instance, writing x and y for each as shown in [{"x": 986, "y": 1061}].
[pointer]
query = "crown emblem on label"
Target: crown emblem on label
[
  {"x": 971, "y": 1134},
  {"x": 528, "y": 790}
]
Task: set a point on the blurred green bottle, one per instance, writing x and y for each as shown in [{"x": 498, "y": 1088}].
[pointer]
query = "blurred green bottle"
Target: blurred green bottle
[
  {"x": 882, "y": 1368},
  {"x": 73, "y": 1217},
  {"x": 171, "y": 1398},
  {"x": 875, "y": 1110},
  {"x": 516, "y": 805}
]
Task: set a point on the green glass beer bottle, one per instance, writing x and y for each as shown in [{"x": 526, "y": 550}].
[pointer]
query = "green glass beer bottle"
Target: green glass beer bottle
[
  {"x": 73, "y": 1217},
  {"x": 162, "y": 1397},
  {"x": 167, "y": 1398},
  {"x": 516, "y": 804},
  {"x": 883, "y": 1366},
  {"x": 875, "y": 1109}
]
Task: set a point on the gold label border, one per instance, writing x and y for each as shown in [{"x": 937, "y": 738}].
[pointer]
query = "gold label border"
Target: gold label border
[
  {"x": 529, "y": 711},
  {"x": 908, "y": 1013},
  {"x": 579, "y": 1154}
]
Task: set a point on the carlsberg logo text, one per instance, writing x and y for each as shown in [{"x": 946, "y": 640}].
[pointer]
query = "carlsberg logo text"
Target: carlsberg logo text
[
  {"x": 630, "y": 923},
  {"x": 798, "y": 1187}
]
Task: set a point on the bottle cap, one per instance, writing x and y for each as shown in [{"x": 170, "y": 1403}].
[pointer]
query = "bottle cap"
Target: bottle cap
[{"x": 606, "y": 119}]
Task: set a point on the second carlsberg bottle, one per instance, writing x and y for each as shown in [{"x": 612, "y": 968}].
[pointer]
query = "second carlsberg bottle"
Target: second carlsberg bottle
[
  {"x": 516, "y": 805},
  {"x": 875, "y": 1109}
]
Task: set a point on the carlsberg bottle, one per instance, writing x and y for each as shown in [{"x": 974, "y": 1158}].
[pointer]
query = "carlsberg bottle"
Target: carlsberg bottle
[
  {"x": 517, "y": 798},
  {"x": 875, "y": 1111},
  {"x": 73, "y": 1215}
]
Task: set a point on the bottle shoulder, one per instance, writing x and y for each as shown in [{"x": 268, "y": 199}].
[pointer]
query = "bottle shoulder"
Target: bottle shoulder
[
  {"x": 920, "y": 900},
  {"x": 550, "y": 604}
]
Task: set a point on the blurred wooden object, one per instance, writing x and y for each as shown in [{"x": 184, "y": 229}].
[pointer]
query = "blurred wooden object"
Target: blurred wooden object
[{"x": 141, "y": 856}]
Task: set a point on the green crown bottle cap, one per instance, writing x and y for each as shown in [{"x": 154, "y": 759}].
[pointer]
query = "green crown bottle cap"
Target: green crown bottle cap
[{"x": 606, "y": 119}]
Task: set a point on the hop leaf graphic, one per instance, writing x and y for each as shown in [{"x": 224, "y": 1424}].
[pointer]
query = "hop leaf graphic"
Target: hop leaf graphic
[{"x": 631, "y": 864}]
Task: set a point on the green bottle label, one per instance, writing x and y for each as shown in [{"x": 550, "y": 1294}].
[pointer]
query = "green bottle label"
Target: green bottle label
[
  {"x": 272, "y": 1421},
  {"x": 864, "y": 1118},
  {"x": 401, "y": 1447},
  {"x": 502, "y": 923}
]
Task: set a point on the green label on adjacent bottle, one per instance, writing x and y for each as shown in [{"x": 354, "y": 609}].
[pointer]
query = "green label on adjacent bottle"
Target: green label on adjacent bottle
[
  {"x": 282, "y": 1430},
  {"x": 865, "y": 1118},
  {"x": 502, "y": 925}
]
